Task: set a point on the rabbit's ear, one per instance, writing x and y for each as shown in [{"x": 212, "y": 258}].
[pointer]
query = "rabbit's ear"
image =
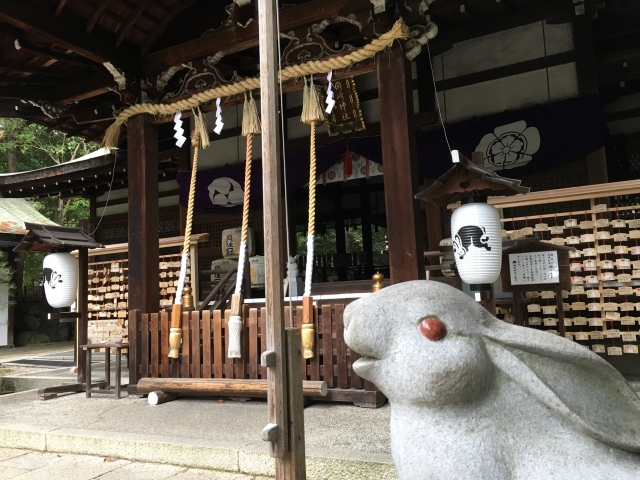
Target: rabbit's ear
[{"x": 570, "y": 380}]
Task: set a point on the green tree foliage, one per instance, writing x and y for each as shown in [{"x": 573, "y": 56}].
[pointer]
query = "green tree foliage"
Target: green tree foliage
[{"x": 26, "y": 146}]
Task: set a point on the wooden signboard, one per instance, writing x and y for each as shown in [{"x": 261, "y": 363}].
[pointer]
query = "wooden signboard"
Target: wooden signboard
[{"x": 534, "y": 266}]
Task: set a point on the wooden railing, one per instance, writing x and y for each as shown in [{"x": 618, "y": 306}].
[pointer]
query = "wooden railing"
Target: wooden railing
[{"x": 204, "y": 351}]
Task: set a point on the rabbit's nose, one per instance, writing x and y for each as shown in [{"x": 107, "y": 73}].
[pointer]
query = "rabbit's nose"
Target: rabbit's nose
[{"x": 433, "y": 329}]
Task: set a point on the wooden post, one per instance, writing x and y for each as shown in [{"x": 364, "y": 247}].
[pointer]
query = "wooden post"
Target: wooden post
[
  {"x": 144, "y": 295},
  {"x": 404, "y": 225},
  {"x": 294, "y": 461},
  {"x": 142, "y": 154},
  {"x": 271, "y": 183},
  {"x": 82, "y": 305}
]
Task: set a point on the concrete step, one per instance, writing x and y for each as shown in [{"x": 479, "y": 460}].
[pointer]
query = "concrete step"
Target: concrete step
[{"x": 186, "y": 453}]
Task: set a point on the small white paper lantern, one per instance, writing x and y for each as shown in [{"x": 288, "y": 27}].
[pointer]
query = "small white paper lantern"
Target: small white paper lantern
[
  {"x": 60, "y": 279},
  {"x": 477, "y": 242}
]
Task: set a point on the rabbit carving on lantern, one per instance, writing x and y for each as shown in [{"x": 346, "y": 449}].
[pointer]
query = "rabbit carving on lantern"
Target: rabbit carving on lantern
[{"x": 473, "y": 397}]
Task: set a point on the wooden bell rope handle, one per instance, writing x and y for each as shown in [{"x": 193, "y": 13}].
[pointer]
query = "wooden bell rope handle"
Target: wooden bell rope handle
[{"x": 175, "y": 335}]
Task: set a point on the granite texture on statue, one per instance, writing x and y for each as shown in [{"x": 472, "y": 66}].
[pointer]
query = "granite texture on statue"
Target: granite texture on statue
[{"x": 475, "y": 398}]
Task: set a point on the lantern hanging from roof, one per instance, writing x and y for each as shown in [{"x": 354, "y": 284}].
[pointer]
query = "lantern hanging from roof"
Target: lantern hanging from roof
[
  {"x": 477, "y": 242},
  {"x": 60, "y": 279}
]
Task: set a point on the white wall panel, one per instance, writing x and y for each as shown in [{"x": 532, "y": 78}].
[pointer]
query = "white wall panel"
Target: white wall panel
[
  {"x": 558, "y": 38},
  {"x": 510, "y": 93},
  {"x": 495, "y": 50},
  {"x": 563, "y": 81}
]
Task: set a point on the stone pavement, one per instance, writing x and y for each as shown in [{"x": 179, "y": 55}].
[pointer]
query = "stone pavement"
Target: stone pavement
[
  {"x": 27, "y": 465},
  {"x": 342, "y": 441}
]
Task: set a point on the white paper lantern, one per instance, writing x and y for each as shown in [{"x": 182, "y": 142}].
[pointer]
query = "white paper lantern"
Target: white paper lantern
[
  {"x": 477, "y": 242},
  {"x": 60, "y": 279}
]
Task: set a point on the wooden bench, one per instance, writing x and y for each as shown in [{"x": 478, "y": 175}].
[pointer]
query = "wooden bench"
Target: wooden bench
[{"x": 107, "y": 389}]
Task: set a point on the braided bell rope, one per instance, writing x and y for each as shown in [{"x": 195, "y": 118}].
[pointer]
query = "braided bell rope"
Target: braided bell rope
[
  {"x": 312, "y": 183},
  {"x": 192, "y": 196},
  {"x": 247, "y": 190},
  {"x": 399, "y": 31}
]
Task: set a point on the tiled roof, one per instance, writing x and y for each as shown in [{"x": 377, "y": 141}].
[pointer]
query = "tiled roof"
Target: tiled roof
[{"x": 14, "y": 212}]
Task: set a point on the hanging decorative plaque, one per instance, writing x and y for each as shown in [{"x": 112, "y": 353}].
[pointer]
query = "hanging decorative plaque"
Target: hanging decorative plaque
[{"x": 346, "y": 115}]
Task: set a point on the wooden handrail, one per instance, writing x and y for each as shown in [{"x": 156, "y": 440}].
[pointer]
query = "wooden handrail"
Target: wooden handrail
[
  {"x": 217, "y": 288},
  {"x": 163, "y": 242},
  {"x": 584, "y": 192}
]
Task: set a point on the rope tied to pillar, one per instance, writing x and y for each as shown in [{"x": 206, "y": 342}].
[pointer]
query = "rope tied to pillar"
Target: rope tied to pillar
[{"x": 250, "y": 127}]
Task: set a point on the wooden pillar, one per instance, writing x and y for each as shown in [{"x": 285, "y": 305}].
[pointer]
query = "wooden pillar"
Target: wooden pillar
[
  {"x": 367, "y": 236},
  {"x": 142, "y": 154},
  {"x": 406, "y": 258},
  {"x": 587, "y": 73},
  {"x": 341, "y": 233},
  {"x": 277, "y": 391},
  {"x": 82, "y": 304},
  {"x": 184, "y": 165},
  {"x": 435, "y": 230}
]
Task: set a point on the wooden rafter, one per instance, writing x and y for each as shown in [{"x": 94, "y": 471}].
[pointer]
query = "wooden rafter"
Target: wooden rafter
[
  {"x": 97, "y": 14},
  {"x": 97, "y": 84},
  {"x": 26, "y": 16},
  {"x": 27, "y": 46},
  {"x": 135, "y": 16},
  {"x": 61, "y": 5},
  {"x": 166, "y": 20},
  {"x": 21, "y": 67}
]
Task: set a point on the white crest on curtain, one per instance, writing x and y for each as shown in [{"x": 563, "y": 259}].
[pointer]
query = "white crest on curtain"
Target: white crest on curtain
[{"x": 509, "y": 146}]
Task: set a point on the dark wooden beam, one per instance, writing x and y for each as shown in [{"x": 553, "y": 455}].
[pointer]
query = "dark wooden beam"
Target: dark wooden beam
[
  {"x": 97, "y": 84},
  {"x": 35, "y": 70},
  {"x": 97, "y": 14},
  {"x": 27, "y": 46},
  {"x": 166, "y": 20},
  {"x": 142, "y": 169},
  {"x": 235, "y": 39},
  {"x": 26, "y": 16},
  {"x": 404, "y": 225},
  {"x": 133, "y": 19},
  {"x": 29, "y": 80}
]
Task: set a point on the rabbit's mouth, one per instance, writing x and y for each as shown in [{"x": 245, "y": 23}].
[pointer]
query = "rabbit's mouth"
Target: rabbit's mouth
[{"x": 364, "y": 366}]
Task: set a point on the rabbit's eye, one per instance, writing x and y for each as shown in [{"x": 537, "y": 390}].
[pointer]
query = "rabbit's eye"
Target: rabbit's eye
[{"x": 433, "y": 329}]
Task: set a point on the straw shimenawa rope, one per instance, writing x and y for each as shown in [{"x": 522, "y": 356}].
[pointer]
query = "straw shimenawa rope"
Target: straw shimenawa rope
[{"x": 399, "y": 31}]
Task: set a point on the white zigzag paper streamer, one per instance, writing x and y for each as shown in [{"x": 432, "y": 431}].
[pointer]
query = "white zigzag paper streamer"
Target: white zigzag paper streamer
[
  {"x": 179, "y": 136},
  {"x": 330, "y": 101},
  {"x": 219, "y": 122}
]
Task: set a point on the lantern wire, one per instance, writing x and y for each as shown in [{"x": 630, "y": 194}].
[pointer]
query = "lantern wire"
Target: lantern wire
[
  {"x": 435, "y": 92},
  {"x": 104, "y": 209}
]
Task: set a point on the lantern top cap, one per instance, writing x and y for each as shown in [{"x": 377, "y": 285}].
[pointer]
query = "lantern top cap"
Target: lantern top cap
[
  {"x": 467, "y": 178},
  {"x": 44, "y": 238}
]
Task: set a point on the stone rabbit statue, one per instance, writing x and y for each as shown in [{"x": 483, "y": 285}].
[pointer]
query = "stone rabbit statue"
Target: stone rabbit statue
[{"x": 475, "y": 398}]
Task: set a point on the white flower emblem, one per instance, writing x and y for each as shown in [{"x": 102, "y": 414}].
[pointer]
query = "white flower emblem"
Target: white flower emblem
[
  {"x": 509, "y": 146},
  {"x": 226, "y": 192}
]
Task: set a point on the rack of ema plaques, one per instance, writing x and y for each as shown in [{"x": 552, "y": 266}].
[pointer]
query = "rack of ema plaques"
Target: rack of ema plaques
[
  {"x": 108, "y": 286},
  {"x": 601, "y": 224}
]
